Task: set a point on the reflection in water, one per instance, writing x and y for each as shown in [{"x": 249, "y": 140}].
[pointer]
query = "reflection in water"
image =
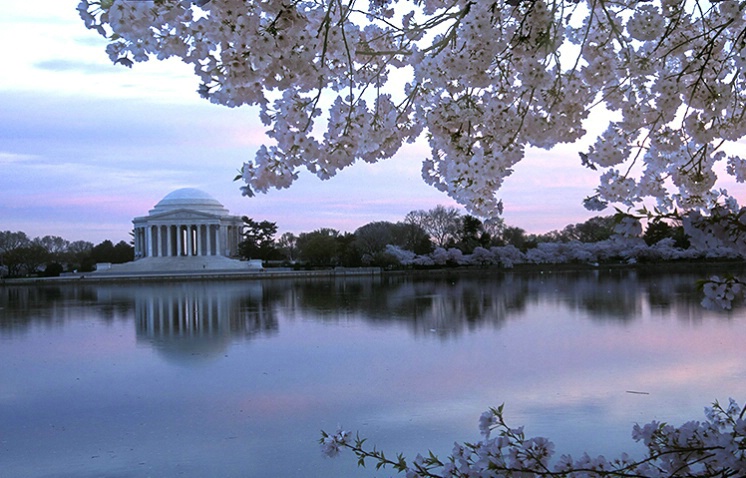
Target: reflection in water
[
  {"x": 447, "y": 305},
  {"x": 181, "y": 320},
  {"x": 184, "y": 324},
  {"x": 444, "y": 307},
  {"x": 451, "y": 305},
  {"x": 185, "y": 321},
  {"x": 96, "y": 370}
]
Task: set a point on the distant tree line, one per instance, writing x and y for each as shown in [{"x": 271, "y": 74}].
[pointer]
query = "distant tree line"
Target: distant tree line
[
  {"x": 52, "y": 255},
  {"x": 595, "y": 229},
  {"x": 421, "y": 232}
]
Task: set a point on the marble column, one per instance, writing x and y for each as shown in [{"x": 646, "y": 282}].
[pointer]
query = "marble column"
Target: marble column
[
  {"x": 190, "y": 241},
  {"x": 179, "y": 240},
  {"x": 221, "y": 240},
  {"x": 159, "y": 240},
  {"x": 169, "y": 241},
  {"x": 199, "y": 239},
  {"x": 148, "y": 243},
  {"x": 209, "y": 239}
]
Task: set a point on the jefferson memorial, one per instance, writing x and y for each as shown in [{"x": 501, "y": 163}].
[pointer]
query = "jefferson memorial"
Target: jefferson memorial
[
  {"x": 187, "y": 222},
  {"x": 188, "y": 231}
]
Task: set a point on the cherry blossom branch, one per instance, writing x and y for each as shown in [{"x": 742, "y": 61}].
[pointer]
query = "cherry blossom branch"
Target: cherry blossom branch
[{"x": 713, "y": 448}]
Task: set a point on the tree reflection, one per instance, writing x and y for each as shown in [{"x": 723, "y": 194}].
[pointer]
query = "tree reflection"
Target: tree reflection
[{"x": 443, "y": 306}]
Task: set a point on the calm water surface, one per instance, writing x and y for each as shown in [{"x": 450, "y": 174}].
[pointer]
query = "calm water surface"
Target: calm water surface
[{"x": 236, "y": 379}]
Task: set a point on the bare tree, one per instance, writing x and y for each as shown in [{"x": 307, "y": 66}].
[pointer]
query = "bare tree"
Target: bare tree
[
  {"x": 55, "y": 245},
  {"x": 441, "y": 223},
  {"x": 12, "y": 240},
  {"x": 288, "y": 245}
]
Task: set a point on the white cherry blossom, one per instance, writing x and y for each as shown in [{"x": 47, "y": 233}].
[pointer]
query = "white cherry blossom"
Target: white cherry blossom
[{"x": 341, "y": 81}]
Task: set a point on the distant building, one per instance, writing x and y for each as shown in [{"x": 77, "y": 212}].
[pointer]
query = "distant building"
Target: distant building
[
  {"x": 187, "y": 223},
  {"x": 187, "y": 232}
]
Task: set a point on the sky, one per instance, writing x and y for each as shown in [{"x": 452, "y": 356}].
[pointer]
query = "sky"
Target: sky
[{"x": 86, "y": 146}]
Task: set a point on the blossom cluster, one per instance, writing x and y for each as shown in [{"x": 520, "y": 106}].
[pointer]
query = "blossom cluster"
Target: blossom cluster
[
  {"x": 331, "y": 444},
  {"x": 715, "y": 447},
  {"x": 720, "y": 293},
  {"x": 723, "y": 225},
  {"x": 485, "y": 80}
]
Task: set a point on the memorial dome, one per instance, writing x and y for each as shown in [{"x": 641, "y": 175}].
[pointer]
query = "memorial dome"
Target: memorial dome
[{"x": 189, "y": 198}]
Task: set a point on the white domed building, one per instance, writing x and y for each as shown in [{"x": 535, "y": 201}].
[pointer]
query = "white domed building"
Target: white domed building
[
  {"x": 187, "y": 223},
  {"x": 188, "y": 231}
]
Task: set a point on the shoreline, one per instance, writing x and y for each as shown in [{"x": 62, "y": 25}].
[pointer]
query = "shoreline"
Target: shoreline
[
  {"x": 170, "y": 276},
  {"x": 269, "y": 274}
]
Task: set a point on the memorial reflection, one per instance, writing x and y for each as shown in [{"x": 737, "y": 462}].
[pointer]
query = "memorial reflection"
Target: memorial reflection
[{"x": 194, "y": 321}]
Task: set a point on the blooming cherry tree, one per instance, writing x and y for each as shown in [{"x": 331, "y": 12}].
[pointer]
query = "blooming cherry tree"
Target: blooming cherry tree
[{"x": 337, "y": 81}]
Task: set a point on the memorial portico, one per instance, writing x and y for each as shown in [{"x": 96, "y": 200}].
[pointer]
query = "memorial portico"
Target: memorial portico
[{"x": 187, "y": 223}]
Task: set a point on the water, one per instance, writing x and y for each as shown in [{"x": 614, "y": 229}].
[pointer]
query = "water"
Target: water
[{"x": 236, "y": 379}]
